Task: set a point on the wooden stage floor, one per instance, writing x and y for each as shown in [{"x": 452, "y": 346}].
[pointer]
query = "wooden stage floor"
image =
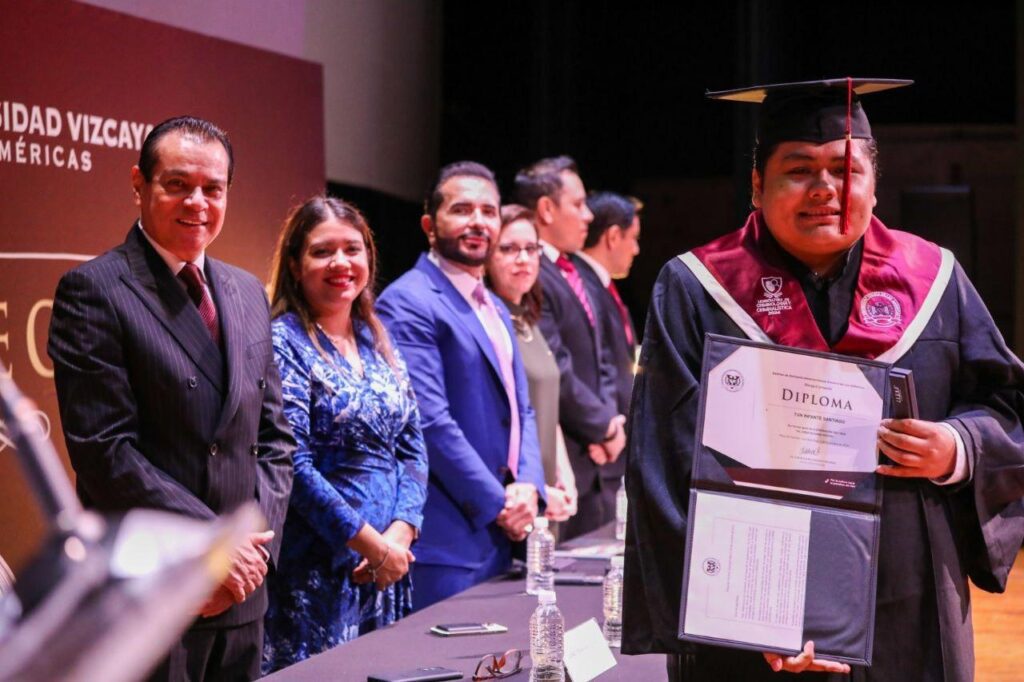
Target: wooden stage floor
[{"x": 999, "y": 630}]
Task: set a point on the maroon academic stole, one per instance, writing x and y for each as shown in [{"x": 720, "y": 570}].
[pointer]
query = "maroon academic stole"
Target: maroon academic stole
[{"x": 901, "y": 280}]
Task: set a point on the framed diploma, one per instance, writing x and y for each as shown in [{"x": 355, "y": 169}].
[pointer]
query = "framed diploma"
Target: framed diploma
[{"x": 784, "y": 502}]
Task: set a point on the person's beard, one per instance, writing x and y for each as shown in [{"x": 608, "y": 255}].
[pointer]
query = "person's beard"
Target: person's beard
[{"x": 449, "y": 248}]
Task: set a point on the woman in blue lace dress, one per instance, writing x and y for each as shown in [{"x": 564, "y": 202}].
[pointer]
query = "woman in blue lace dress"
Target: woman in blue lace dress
[{"x": 361, "y": 463}]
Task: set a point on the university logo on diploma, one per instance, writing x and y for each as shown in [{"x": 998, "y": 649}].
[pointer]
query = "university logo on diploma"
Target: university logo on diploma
[{"x": 784, "y": 512}]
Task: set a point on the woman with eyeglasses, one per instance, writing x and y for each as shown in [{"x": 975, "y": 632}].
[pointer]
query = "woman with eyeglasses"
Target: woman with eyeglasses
[
  {"x": 512, "y": 274},
  {"x": 361, "y": 462}
]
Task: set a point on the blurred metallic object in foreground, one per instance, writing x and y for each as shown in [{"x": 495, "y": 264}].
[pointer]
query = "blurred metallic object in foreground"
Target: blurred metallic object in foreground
[{"x": 105, "y": 597}]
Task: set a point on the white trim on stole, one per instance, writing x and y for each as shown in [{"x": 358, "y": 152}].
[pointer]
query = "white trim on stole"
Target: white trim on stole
[
  {"x": 724, "y": 299},
  {"x": 749, "y": 327}
]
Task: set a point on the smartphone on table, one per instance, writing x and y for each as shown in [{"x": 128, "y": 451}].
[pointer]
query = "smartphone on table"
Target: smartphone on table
[{"x": 458, "y": 629}]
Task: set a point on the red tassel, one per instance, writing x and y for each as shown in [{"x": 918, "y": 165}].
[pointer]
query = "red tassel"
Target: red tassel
[{"x": 844, "y": 211}]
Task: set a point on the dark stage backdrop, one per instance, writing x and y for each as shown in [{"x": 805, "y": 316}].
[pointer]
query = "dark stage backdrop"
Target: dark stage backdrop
[{"x": 79, "y": 89}]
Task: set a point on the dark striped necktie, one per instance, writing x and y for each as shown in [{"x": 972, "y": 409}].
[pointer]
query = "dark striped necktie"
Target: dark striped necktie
[{"x": 193, "y": 278}]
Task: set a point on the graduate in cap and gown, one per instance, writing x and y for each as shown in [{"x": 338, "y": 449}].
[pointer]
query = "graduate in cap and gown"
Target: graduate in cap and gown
[{"x": 814, "y": 268}]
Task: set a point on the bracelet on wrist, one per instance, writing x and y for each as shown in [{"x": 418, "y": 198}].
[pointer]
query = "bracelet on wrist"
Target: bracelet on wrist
[{"x": 387, "y": 553}]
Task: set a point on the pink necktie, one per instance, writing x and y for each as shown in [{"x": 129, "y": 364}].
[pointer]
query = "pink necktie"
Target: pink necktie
[
  {"x": 623, "y": 312},
  {"x": 193, "y": 279},
  {"x": 572, "y": 276},
  {"x": 496, "y": 333}
]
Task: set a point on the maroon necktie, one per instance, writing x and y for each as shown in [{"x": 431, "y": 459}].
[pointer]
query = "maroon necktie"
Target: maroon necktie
[
  {"x": 193, "y": 278},
  {"x": 623, "y": 312},
  {"x": 572, "y": 276}
]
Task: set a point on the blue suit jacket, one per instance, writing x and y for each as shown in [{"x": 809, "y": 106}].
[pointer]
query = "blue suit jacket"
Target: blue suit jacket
[{"x": 464, "y": 414}]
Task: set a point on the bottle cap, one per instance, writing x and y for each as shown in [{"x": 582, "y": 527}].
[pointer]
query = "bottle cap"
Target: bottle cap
[
  {"x": 540, "y": 522},
  {"x": 618, "y": 561},
  {"x": 546, "y": 597}
]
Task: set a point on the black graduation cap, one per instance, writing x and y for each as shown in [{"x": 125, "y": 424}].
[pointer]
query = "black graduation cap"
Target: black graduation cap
[{"x": 813, "y": 111}]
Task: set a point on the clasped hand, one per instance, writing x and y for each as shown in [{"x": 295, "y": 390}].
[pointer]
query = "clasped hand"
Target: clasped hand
[
  {"x": 393, "y": 568},
  {"x": 520, "y": 510},
  {"x": 611, "y": 448},
  {"x": 389, "y": 559},
  {"x": 561, "y": 502},
  {"x": 248, "y": 568}
]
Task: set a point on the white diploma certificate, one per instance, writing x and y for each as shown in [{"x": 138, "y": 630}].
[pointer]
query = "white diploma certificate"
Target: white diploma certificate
[
  {"x": 783, "y": 411},
  {"x": 748, "y": 571},
  {"x": 784, "y": 522}
]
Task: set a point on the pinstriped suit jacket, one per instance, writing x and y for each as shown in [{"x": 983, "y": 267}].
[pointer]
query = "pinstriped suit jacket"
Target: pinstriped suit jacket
[{"x": 154, "y": 414}]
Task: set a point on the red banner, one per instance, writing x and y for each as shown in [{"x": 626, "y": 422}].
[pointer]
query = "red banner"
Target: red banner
[{"x": 79, "y": 89}]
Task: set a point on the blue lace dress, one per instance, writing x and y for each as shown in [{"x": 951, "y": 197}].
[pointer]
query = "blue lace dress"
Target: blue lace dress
[{"x": 360, "y": 459}]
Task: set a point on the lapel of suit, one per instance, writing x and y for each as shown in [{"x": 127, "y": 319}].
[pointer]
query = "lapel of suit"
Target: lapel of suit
[
  {"x": 590, "y": 277},
  {"x": 462, "y": 311},
  {"x": 230, "y": 312},
  {"x": 605, "y": 301},
  {"x": 151, "y": 280}
]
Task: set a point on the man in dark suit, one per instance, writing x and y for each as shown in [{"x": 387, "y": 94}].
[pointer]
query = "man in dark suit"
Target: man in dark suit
[
  {"x": 588, "y": 408},
  {"x": 612, "y": 244},
  {"x": 168, "y": 393},
  {"x": 486, "y": 478}
]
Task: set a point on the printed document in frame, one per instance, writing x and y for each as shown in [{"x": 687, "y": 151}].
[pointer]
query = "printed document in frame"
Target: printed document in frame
[{"x": 782, "y": 542}]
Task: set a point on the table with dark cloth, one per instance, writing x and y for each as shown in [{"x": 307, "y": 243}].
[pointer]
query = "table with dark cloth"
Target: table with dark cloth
[{"x": 409, "y": 644}]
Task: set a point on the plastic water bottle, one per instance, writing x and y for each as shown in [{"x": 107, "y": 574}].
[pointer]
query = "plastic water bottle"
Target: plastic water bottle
[
  {"x": 612, "y": 591},
  {"x": 540, "y": 558},
  {"x": 621, "y": 506},
  {"x": 547, "y": 630}
]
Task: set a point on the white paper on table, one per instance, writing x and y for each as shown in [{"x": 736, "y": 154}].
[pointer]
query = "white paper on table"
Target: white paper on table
[
  {"x": 587, "y": 654},
  {"x": 770, "y": 409},
  {"x": 748, "y": 571},
  {"x": 603, "y": 550}
]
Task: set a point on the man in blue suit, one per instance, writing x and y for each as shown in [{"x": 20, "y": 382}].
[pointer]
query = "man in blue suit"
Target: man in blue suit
[{"x": 457, "y": 339}]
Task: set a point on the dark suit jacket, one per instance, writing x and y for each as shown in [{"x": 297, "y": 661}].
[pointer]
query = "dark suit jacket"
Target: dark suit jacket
[
  {"x": 464, "y": 413},
  {"x": 154, "y": 414},
  {"x": 622, "y": 352},
  {"x": 587, "y": 400}
]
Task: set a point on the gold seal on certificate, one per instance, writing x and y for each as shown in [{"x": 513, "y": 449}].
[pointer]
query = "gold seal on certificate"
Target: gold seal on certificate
[{"x": 784, "y": 504}]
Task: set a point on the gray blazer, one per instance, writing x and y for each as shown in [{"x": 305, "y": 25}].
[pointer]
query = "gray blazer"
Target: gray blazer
[{"x": 154, "y": 413}]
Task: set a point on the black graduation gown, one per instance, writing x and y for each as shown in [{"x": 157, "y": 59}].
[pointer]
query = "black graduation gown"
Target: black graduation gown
[{"x": 932, "y": 537}]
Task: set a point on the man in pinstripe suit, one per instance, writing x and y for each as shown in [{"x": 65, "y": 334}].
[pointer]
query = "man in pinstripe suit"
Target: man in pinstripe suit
[{"x": 168, "y": 393}]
